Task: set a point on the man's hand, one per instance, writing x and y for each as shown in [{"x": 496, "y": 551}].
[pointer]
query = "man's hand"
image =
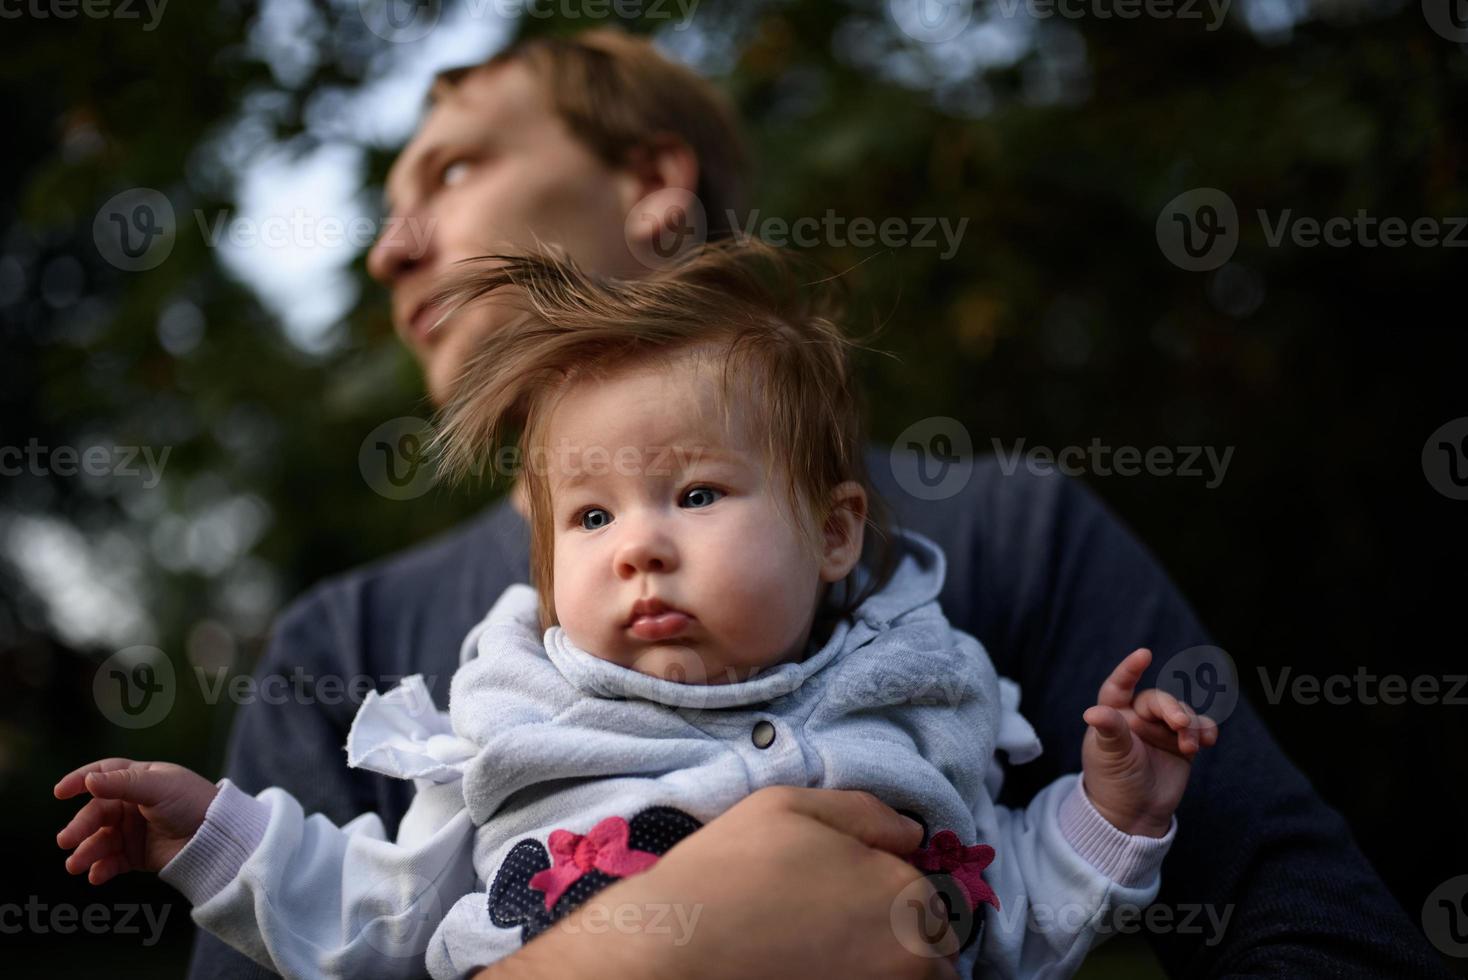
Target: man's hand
[
  {"x": 141, "y": 814},
  {"x": 1139, "y": 750},
  {"x": 787, "y": 883}
]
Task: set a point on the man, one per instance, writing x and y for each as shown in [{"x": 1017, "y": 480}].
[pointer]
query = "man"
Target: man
[{"x": 559, "y": 141}]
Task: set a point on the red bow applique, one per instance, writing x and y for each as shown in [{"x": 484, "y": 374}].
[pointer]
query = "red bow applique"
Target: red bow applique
[
  {"x": 945, "y": 852},
  {"x": 603, "y": 848}
]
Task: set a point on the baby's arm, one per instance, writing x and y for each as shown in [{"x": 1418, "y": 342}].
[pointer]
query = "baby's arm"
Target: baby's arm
[
  {"x": 1086, "y": 848},
  {"x": 140, "y": 816},
  {"x": 297, "y": 894}
]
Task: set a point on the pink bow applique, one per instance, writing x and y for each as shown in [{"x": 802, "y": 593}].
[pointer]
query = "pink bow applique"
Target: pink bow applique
[
  {"x": 603, "y": 848},
  {"x": 945, "y": 852}
]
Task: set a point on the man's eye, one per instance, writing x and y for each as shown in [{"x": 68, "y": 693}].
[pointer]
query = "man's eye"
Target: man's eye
[
  {"x": 455, "y": 172},
  {"x": 701, "y": 496},
  {"x": 594, "y": 518}
]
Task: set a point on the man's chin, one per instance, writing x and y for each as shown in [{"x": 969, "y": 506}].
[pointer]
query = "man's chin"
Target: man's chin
[{"x": 441, "y": 381}]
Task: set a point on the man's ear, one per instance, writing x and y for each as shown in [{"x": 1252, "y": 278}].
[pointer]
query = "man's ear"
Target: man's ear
[
  {"x": 844, "y": 531},
  {"x": 664, "y": 162}
]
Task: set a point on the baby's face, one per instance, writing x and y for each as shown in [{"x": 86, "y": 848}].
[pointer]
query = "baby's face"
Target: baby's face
[{"x": 673, "y": 555}]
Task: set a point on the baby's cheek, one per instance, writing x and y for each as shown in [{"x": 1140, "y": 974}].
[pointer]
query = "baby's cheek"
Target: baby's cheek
[
  {"x": 574, "y": 599},
  {"x": 765, "y": 611}
]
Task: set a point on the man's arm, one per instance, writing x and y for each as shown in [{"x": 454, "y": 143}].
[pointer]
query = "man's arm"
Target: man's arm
[{"x": 1056, "y": 588}]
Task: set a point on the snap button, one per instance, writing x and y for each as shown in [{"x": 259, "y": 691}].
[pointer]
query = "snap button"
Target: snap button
[{"x": 763, "y": 735}]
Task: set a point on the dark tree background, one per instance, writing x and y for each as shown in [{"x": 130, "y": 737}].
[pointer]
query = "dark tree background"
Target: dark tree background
[{"x": 1059, "y": 320}]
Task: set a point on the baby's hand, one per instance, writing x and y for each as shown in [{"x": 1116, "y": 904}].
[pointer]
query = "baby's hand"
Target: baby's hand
[
  {"x": 141, "y": 814},
  {"x": 1139, "y": 749}
]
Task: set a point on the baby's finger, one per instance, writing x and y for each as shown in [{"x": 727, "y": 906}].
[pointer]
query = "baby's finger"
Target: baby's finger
[
  {"x": 75, "y": 781},
  {"x": 88, "y": 820},
  {"x": 108, "y": 868},
  {"x": 1160, "y": 735},
  {"x": 1156, "y": 704},
  {"x": 135, "y": 784},
  {"x": 1112, "y": 732},
  {"x": 1117, "y": 690},
  {"x": 104, "y": 843}
]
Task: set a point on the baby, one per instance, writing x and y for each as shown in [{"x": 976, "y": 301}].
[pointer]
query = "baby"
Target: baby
[{"x": 710, "y": 617}]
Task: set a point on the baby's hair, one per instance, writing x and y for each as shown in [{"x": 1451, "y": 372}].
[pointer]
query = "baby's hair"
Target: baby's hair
[{"x": 738, "y": 304}]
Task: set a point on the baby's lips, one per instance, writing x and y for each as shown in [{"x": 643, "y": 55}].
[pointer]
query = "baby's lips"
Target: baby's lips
[{"x": 662, "y": 626}]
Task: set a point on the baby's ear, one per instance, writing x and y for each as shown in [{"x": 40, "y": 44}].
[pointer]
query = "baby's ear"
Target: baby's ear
[{"x": 844, "y": 531}]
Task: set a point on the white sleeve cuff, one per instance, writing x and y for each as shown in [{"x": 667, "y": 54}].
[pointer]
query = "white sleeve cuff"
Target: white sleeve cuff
[
  {"x": 1131, "y": 860},
  {"x": 233, "y": 827}
]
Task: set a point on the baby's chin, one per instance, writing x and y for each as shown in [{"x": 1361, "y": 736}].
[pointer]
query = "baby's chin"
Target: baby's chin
[{"x": 685, "y": 665}]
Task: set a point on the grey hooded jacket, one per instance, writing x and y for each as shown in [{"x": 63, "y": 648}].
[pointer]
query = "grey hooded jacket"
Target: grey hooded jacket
[{"x": 555, "y": 772}]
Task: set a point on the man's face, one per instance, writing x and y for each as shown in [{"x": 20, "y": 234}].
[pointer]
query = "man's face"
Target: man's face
[{"x": 493, "y": 169}]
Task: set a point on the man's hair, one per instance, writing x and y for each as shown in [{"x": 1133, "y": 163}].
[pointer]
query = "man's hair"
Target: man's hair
[
  {"x": 616, "y": 93},
  {"x": 739, "y": 306}
]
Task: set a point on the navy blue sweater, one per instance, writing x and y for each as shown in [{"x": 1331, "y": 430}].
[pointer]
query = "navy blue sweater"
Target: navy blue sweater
[{"x": 1055, "y": 588}]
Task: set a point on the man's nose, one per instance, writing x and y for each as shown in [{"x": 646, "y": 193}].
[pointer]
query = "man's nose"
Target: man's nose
[
  {"x": 647, "y": 548},
  {"x": 405, "y": 243}
]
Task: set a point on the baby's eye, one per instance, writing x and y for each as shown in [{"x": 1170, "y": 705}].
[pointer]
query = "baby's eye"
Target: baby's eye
[
  {"x": 594, "y": 519},
  {"x": 701, "y": 496}
]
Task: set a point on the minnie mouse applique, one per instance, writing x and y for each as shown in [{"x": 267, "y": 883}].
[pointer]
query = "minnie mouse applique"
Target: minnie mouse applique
[
  {"x": 534, "y": 888},
  {"x": 956, "y": 871}
]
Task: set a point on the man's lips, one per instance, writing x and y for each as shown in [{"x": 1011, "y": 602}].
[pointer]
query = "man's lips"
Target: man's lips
[{"x": 420, "y": 324}]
